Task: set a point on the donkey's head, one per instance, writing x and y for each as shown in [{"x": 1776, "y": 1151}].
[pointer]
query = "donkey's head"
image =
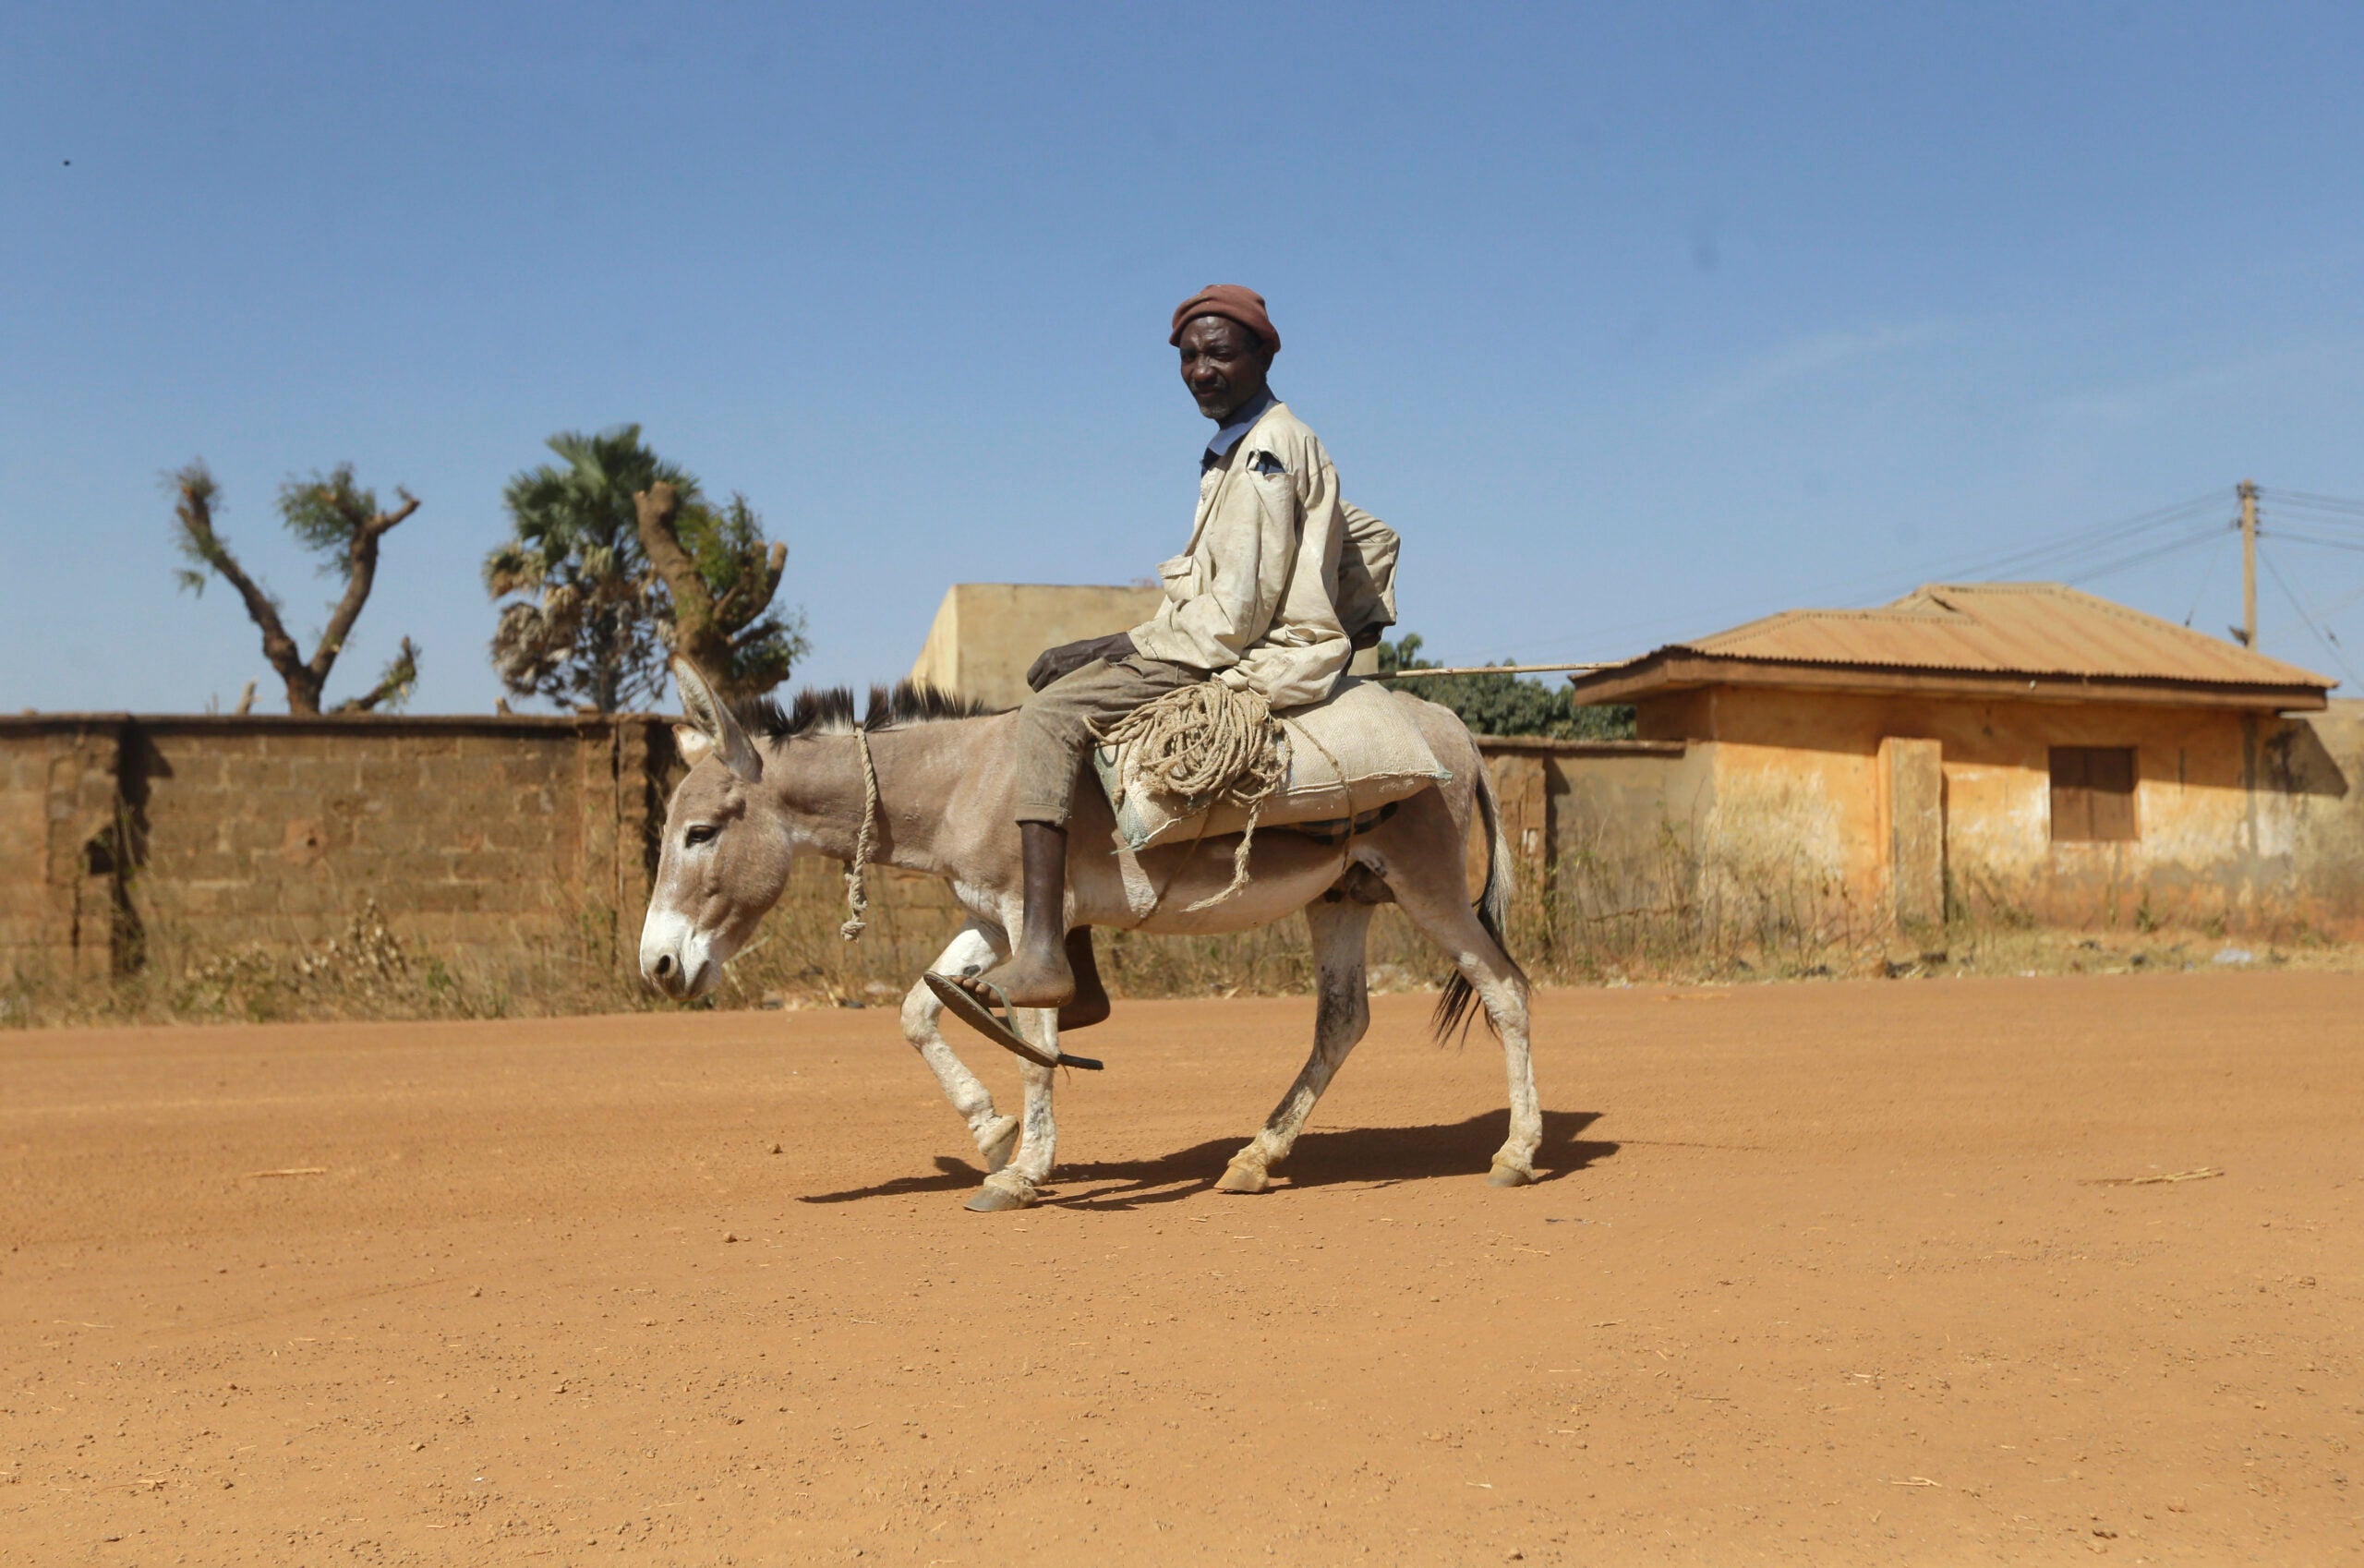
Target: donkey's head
[{"x": 726, "y": 849}]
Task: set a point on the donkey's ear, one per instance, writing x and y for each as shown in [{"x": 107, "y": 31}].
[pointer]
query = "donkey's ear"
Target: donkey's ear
[
  {"x": 694, "y": 744},
  {"x": 714, "y": 720}
]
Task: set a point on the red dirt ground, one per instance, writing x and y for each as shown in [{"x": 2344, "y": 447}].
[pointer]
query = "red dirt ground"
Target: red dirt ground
[{"x": 1822, "y": 1274}]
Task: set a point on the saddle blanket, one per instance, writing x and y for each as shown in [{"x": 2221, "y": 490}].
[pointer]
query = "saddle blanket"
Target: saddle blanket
[{"x": 1359, "y": 749}]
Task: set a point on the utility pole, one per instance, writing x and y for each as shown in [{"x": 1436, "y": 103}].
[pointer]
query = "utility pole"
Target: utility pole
[{"x": 2248, "y": 564}]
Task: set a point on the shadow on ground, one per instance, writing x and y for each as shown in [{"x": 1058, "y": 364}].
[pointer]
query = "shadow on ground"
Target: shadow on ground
[{"x": 1376, "y": 1155}]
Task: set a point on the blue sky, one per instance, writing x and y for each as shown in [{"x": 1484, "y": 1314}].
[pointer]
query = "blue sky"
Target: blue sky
[{"x": 1637, "y": 321}]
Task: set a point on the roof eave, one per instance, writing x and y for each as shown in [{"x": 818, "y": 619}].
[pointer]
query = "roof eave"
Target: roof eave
[{"x": 1672, "y": 670}]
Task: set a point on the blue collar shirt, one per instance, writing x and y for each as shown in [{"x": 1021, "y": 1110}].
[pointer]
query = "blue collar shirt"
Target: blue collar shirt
[{"x": 1238, "y": 425}]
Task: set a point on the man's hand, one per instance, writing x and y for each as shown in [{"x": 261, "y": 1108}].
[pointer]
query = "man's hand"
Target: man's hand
[{"x": 1057, "y": 664}]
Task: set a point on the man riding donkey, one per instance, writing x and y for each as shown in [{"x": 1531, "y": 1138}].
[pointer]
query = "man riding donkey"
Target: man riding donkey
[
  {"x": 1373, "y": 795},
  {"x": 1252, "y": 604}
]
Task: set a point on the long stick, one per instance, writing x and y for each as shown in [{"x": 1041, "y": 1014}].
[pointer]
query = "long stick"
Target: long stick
[{"x": 1490, "y": 669}]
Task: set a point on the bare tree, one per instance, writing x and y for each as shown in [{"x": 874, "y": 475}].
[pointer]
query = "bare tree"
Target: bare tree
[{"x": 336, "y": 519}]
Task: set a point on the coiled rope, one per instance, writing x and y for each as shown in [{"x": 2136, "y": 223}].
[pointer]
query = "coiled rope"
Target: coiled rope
[{"x": 1210, "y": 744}]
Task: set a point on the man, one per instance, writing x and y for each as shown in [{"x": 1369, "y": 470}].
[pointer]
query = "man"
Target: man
[{"x": 1250, "y": 602}]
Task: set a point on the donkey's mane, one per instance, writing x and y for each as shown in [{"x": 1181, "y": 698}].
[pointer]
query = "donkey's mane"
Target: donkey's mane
[{"x": 830, "y": 710}]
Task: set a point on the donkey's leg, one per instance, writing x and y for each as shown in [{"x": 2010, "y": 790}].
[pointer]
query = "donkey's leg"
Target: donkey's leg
[
  {"x": 1013, "y": 1186},
  {"x": 1339, "y": 1019},
  {"x": 976, "y": 948},
  {"x": 1435, "y": 897}
]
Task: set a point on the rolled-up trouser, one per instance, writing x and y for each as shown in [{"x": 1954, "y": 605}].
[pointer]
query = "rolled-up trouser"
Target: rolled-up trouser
[{"x": 1055, "y": 725}]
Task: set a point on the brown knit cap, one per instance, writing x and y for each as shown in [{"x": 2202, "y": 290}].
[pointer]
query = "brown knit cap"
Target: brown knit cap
[{"x": 1244, "y": 305}]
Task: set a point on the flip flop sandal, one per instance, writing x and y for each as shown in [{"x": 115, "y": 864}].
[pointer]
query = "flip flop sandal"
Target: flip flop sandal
[{"x": 966, "y": 1006}]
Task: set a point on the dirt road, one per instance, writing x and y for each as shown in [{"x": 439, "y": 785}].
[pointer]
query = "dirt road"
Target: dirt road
[{"x": 1822, "y": 1274}]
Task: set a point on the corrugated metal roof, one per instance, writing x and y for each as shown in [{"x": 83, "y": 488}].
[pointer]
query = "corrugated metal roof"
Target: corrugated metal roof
[{"x": 2003, "y": 629}]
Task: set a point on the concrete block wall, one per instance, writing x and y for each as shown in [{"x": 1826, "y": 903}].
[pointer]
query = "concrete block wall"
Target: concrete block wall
[
  {"x": 130, "y": 841},
  {"x": 60, "y": 835},
  {"x": 272, "y": 835},
  {"x": 124, "y": 838},
  {"x": 144, "y": 843}
]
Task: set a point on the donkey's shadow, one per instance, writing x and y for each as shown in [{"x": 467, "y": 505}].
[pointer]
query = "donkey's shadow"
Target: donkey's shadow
[{"x": 1379, "y": 1156}]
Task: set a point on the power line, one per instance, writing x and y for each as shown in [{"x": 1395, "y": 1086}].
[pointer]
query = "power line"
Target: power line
[
  {"x": 2330, "y": 643},
  {"x": 2315, "y": 504},
  {"x": 2142, "y": 556},
  {"x": 2074, "y": 545},
  {"x": 2207, "y": 577},
  {"x": 2311, "y": 540},
  {"x": 2303, "y": 498},
  {"x": 2088, "y": 554},
  {"x": 2059, "y": 554},
  {"x": 2347, "y": 515},
  {"x": 2344, "y": 601},
  {"x": 2315, "y": 519}
]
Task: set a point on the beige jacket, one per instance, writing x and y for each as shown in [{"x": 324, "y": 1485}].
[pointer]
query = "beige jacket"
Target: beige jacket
[{"x": 1254, "y": 596}]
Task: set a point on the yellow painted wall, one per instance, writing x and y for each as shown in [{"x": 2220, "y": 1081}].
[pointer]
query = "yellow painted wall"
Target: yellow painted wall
[
  {"x": 2252, "y": 817},
  {"x": 1622, "y": 826},
  {"x": 987, "y": 634}
]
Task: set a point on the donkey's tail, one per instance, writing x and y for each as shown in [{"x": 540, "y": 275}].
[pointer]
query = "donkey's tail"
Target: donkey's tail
[{"x": 1460, "y": 998}]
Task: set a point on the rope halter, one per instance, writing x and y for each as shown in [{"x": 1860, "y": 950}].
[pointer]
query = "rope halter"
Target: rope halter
[{"x": 857, "y": 895}]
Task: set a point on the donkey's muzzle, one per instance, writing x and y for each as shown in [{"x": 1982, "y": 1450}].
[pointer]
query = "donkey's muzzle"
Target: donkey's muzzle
[{"x": 671, "y": 957}]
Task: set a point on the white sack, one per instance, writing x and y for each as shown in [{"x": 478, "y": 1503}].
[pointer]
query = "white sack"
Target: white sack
[{"x": 1370, "y": 731}]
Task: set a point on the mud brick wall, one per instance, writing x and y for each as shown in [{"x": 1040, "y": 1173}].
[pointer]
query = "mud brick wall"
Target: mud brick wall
[
  {"x": 59, "y": 829},
  {"x": 126, "y": 839},
  {"x": 133, "y": 842}
]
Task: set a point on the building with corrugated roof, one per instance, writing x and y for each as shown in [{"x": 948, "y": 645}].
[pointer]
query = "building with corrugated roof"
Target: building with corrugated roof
[{"x": 2019, "y": 749}]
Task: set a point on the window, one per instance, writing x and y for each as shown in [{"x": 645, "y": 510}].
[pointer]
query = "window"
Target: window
[{"x": 2093, "y": 794}]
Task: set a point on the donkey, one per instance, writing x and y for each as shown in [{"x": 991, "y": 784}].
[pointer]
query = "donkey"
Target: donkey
[{"x": 929, "y": 777}]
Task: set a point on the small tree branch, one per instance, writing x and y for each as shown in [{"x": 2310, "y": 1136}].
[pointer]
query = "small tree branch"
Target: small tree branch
[
  {"x": 196, "y": 514},
  {"x": 734, "y": 615},
  {"x": 386, "y": 520},
  {"x": 767, "y": 582},
  {"x": 393, "y": 687},
  {"x": 361, "y": 574}
]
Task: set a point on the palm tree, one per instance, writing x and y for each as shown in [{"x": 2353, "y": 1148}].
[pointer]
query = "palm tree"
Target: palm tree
[
  {"x": 616, "y": 561},
  {"x": 585, "y": 626}
]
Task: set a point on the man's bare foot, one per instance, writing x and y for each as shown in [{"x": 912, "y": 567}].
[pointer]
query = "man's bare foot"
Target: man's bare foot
[
  {"x": 1030, "y": 979},
  {"x": 1038, "y": 974}
]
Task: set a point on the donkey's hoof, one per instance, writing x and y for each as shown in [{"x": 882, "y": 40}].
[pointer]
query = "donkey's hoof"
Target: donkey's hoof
[
  {"x": 1509, "y": 1176},
  {"x": 1239, "y": 1177},
  {"x": 997, "y": 1141},
  {"x": 1000, "y": 1194}
]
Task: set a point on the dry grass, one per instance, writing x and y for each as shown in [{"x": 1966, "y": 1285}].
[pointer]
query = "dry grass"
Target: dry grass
[
  {"x": 367, "y": 969},
  {"x": 798, "y": 959},
  {"x": 1664, "y": 917}
]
